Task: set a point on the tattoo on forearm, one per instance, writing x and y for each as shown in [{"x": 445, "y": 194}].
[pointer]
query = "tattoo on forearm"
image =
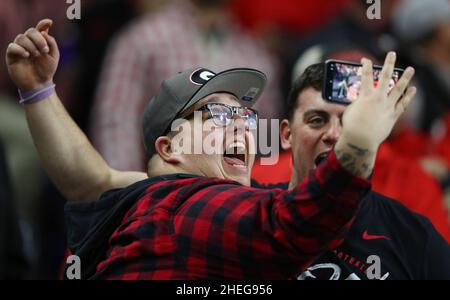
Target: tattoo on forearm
[
  {"x": 365, "y": 167},
  {"x": 347, "y": 160},
  {"x": 358, "y": 151},
  {"x": 353, "y": 160}
]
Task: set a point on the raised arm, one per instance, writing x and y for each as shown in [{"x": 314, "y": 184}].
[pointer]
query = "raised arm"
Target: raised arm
[
  {"x": 76, "y": 168},
  {"x": 276, "y": 234},
  {"x": 368, "y": 121}
]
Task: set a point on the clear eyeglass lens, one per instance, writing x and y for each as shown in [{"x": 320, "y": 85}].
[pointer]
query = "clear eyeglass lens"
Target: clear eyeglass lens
[
  {"x": 250, "y": 117},
  {"x": 222, "y": 115},
  {"x": 252, "y": 123}
]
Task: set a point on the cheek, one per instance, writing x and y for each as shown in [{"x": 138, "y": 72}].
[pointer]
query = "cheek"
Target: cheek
[
  {"x": 251, "y": 161},
  {"x": 182, "y": 142},
  {"x": 303, "y": 142},
  {"x": 213, "y": 139},
  {"x": 252, "y": 146}
]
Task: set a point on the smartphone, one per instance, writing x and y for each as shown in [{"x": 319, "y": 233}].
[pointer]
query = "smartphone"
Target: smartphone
[{"x": 343, "y": 80}]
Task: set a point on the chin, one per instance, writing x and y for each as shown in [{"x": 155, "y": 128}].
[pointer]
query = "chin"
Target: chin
[
  {"x": 245, "y": 181},
  {"x": 242, "y": 180}
]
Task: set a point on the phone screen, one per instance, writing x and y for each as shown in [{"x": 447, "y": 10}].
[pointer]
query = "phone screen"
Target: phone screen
[{"x": 343, "y": 80}]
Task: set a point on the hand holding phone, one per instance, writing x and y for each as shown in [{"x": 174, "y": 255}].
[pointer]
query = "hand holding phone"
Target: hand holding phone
[
  {"x": 371, "y": 119},
  {"x": 343, "y": 80}
]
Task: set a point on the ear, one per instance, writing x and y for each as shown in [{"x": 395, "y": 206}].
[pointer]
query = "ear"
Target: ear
[
  {"x": 285, "y": 134},
  {"x": 164, "y": 150}
]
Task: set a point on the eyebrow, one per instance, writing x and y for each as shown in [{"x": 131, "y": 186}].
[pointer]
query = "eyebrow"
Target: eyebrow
[
  {"x": 310, "y": 112},
  {"x": 320, "y": 112}
]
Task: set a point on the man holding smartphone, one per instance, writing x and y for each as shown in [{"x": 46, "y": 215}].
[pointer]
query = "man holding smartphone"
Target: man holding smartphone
[
  {"x": 196, "y": 217},
  {"x": 386, "y": 241}
]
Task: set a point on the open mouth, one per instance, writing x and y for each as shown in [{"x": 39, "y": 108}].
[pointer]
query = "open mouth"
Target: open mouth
[
  {"x": 236, "y": 154},
  {"x": 321, "y": 157}
]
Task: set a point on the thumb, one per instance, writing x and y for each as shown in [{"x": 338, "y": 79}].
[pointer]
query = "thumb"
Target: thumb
[{"x": 44, "y": 25}]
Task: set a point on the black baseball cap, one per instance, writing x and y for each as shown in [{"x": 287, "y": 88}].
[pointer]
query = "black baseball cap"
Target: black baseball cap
[{"x": 185, "y": 89}]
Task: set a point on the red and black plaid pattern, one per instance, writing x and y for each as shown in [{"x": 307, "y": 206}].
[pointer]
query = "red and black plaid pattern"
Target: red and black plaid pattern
[{"x": 205, "y": 228}]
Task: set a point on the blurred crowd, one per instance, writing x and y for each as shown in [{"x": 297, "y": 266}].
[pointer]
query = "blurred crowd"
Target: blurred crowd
[{"x": 115, "y": 57}]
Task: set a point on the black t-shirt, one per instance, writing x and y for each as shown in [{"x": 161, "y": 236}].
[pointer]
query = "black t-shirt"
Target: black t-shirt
[{"x": 386, "y": 241}]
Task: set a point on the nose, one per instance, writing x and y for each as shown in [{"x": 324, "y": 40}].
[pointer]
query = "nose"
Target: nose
[
  {"x": 240, "y": 123},
  {"x": 238, "y": 129},
  {"x": 332, "y": 133}
]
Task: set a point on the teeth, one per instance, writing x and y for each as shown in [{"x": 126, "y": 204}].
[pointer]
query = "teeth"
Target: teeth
[
  {"x": 321, "y": 157},
  {"x": 239, "y": 146}
]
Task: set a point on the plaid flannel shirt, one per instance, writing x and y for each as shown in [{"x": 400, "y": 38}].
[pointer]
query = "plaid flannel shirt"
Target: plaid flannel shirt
[{"x": 189, "y": 227}]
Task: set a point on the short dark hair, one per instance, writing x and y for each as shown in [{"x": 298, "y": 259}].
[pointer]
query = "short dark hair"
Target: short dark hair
[{"x": 313, "y": 77}]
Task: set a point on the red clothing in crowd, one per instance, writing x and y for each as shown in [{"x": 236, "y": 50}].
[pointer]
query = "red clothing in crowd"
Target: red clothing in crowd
[
  {"x": 300, "y": 16},
  {"x": 411, "y": 143},
  {"x": 404, "y": 179},
  {"x": 442, "y": 147}
]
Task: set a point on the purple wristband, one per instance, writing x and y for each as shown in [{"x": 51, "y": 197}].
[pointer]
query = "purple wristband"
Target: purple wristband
[{"x": 37, "y": 95}]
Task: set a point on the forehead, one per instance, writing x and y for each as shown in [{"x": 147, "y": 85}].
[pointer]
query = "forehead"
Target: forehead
[
  {"x": 310, "y": 99},
  {"x": 224, "y": 98}
]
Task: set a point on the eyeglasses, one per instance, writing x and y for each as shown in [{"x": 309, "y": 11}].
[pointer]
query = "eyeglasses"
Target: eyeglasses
[{"x": 223, "y": 114}]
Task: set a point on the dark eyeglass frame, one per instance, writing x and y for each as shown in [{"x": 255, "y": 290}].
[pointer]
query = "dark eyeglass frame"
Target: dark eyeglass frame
[{"x": 233, "y": 110}]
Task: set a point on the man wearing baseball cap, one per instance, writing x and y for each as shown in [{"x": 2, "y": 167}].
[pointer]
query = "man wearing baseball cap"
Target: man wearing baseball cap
[
  {"x": 195, "y": 216},
  {"x": 224, "y": 97}
]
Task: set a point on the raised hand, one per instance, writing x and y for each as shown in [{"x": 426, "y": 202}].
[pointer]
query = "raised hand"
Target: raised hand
[
  {"x": 32, "y": 59},
  {"x": 371, "y": 118}
]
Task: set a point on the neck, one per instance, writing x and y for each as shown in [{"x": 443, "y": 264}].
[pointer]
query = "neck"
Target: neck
[
  {"x": 157, "y": 167},
  {"x": 295, "y": 179}
]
